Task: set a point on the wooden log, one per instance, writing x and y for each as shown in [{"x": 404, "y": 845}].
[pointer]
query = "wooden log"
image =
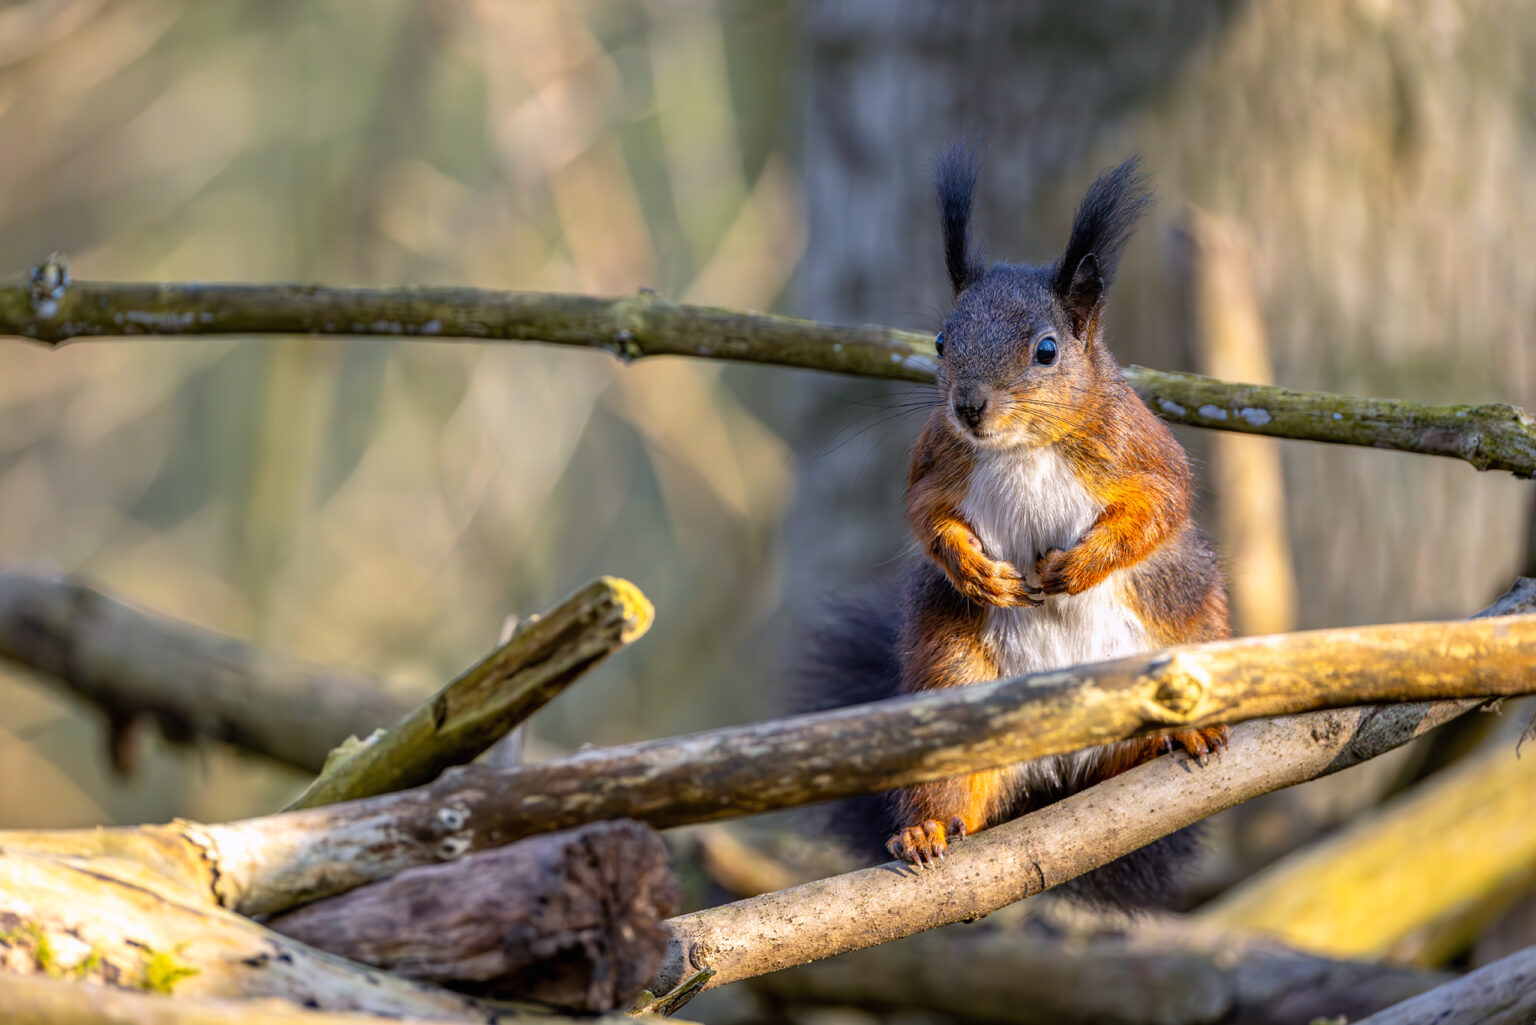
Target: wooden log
[
  {"x": 107, "y": 918},
  {"x": 39, "y": 1000},
  {"x": 573, "y": 919}
]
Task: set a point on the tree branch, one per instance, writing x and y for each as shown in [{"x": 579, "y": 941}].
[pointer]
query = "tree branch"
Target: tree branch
[
  {"x": 48, "y": 307},
  {"x": 1029, "y": 855},
  {"x": 1502, "y": 993},
  {"x": 194, "y": 682},
  {"x": 544, "y": 656},
  {"x": 132, "y": 909},
  {"x": 270, "y": 863}
]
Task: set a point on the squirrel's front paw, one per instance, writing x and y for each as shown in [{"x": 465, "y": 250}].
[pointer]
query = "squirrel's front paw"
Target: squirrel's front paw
[
  {"x": 1052, "y": 568},
  {"x": 995, "y": 583},
  {"x": 925, "y": 844}
]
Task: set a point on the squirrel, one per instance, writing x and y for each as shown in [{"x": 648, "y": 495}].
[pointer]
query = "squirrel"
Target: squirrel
[{"x": 1052, "y": 518}]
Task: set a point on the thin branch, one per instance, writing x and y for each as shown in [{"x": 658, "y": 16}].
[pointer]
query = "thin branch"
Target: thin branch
[
  {"x": 50, "y": 308},
  {"x": 546, "y": 655},
  {"x": 275, "y": 862},
  {"x": 196, "y": 683},
  {"x": 1029, "y": 855},
  {"x": 1162, "y": 970},
  {"x": 1492, "y": 436},
  {"x": 1503, "y": 993}
]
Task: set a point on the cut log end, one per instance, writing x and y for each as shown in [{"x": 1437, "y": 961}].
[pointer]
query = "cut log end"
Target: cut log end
[{"x": 574, "y": 919}]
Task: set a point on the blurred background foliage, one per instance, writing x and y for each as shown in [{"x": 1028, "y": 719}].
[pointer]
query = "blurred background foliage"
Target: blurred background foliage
[
  {"x": 382, "y": 505},
  {"x": 366, "y": 503}
]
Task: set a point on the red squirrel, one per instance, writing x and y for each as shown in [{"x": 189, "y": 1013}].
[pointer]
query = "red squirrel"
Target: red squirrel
[{"x": 1052, "y": 515}]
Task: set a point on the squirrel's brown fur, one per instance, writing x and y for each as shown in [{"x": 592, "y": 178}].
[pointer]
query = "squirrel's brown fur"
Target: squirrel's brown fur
[{"x": 1051, "y": 509}]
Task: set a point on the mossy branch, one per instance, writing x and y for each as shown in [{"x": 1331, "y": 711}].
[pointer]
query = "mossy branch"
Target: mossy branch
[
  {"x": 544, "y": 656},
  {"x": 48, "y": 307}
]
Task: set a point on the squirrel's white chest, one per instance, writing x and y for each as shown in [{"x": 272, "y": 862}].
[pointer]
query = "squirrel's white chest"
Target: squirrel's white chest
[{"x": 1022, "y": 505}]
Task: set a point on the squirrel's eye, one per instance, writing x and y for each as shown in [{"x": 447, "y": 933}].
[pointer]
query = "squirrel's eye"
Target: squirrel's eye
[
  {"x": 1045, "y": 352},
  {"x": 938, "y": 345}
]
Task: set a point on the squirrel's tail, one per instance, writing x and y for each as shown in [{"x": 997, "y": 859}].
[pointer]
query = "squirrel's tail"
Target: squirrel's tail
[{"x": 850, "y": 659}]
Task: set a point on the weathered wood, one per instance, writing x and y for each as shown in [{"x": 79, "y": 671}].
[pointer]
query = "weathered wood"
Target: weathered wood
[
  {"x": 1159, "y": 970},
  {"x": 39, "y": 1000},
  {"x": 271, "y": 863},
  {"x": 571, "y": 919},
  {"x": 49, "y": 307},
  {"x": 104, "y": 917},
  {"x": 194, "y": 682},
  {"x": 1503, "y": 993},
  {"x": 537, "y": 661}
]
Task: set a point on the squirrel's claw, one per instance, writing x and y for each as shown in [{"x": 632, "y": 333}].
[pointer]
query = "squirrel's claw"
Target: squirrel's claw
[
  {"x": 1052, "y": 569},
  {"x": 997, "y": 583},
  {"x": 1201, "y": 743},
  {"x": 926, "y": 844},
  {"x": 922, "y": 846}
]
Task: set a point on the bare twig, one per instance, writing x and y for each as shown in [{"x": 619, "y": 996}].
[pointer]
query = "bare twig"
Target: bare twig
[
  {"x": 195, "y": 682},
  {"x": 1503, "y": 993},
  {"x": 48, "y": 307},
  {"x": 456, "y": 724}
]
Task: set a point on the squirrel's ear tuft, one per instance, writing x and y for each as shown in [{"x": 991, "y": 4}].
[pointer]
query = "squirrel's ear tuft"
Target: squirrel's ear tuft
[
  {"x": 1104, "y": 223},
  {"x": 954, "y": 176}
]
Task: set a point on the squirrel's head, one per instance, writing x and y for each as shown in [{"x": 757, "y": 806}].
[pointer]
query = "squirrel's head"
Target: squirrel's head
[{"x": 1021, "y": 358}]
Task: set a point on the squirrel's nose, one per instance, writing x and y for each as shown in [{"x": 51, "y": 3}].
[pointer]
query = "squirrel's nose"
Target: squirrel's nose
[{"x": 970, "y": 408}]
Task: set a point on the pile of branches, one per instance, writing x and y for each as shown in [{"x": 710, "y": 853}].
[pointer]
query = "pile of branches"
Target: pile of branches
[{"x": 410, "y": 880}]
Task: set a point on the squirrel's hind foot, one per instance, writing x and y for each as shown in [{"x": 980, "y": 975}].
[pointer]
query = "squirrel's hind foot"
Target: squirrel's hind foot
[
  {"x": 925, "y": 844},
  {"x": 1200, "y": 743}
]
